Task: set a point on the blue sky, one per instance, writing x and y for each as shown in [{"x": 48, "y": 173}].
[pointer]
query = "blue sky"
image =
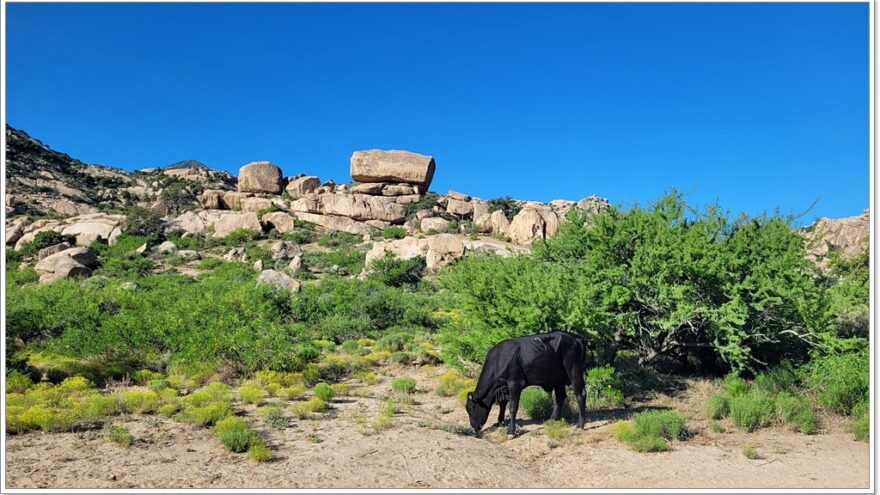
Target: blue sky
[{"x": 757, "y": 106}]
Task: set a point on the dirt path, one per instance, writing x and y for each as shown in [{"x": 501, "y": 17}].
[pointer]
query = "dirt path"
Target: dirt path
[{"x": 414, "y": 453}]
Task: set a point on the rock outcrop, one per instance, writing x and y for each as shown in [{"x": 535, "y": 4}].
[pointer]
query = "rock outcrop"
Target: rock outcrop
[
  {"x": 392, "y": 166},
  {"x": 849, "y": 235},
  {"x": 301, "y": 185}
]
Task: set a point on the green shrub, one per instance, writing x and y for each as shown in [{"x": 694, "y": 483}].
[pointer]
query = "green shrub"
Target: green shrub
[
  {"x": 208, "y": 414},
  {"x": 50, "y": 238},
  {"x": 313, "y": 405},
  {"x": 274, "y": 415},
  {"x": 17, "y": 382},
  {"x": 752, "y": 411},
  {"x": 404, "y": 385},
  {"x": 401, "y": 357},
  {"x": 603, "y": 387},
  {"x": 665, "y": 424},
  {"x": 395, "y": 272},
  {"x": 251, "y": 392},
  {"x": 120, "y": 435},
  {"x": 426, "y": 202},
  {"x": 796, "y": 412},
  {"x": 234, "y": 434},
  {"x": 239, "y": 237},
  {"x": 734, "y": 386},
  {"x": 782, "y": 378},
  {"x": 535, "y": 402},
  {"x": 260, "y": 453},
  {"x": 508, "y": 205},
  {"x": 557, "y": 429},
  {"x": 648, "y": 443},
  {"x": 142, "y": 221},
  {"x": 168, "y": 410},
  {"x": 840, "y": 381},
  {"x": 860, "y": 423},
  {"x": 143, "y": 377},
  {"x": 394, "y": 232},
  {"x": 717, "y": 406},
  {"x": 751, "y": 452},
  {"x": 140, "y": 401},
  {"x": 452, "y": 382},
  {"x": 323, "y": 392},
  {"x": 350, "y": 347}
]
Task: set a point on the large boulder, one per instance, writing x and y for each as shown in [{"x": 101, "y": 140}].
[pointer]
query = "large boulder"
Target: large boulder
[
  {"x": 481, "y": 215},
  {"x": 88, "y": 228},
  {"x": 374, "y": 188},
  {"x": 362, "y": 207},
  {"x": 593, "y": 204},
  {"x": 392, "y": 166},
  {"x": 232, "y": 199},
  {"x": 280, "y": 221},
  {"x": 526, "y": 226},
  {"x": 278, "y": 280},
  {"x": 212, "y": 199},
  {"x": 260, "y": 177},
  {"x": 49, "y": 251},
  {"x": 230, "y": 222},
  {"x": 500, "y": 223},
  {"x": 442, "y": 250},
  {"x": 73, "y": 262},
  {"x": 403, "y": 249},
  {"x": 187, "y": 222},
  {"x": 299, "y": 186},
  {"x": 435, "y": 224},
  {"x": 459, "y": 207}
]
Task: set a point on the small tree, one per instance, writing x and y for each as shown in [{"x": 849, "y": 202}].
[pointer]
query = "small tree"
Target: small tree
[
  {"x": 177, "y": 196},
  {"x": 142, "y": 221}
]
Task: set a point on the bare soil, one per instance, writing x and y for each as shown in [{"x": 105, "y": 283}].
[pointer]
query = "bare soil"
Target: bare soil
[{"x": 343, "y": 450}]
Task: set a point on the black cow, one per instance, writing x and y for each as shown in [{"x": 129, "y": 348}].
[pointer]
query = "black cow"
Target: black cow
[{"x": 550, "y": 360}]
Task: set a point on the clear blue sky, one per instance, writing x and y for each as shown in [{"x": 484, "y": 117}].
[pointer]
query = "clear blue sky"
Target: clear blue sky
[{"x": 757, "y": 106}]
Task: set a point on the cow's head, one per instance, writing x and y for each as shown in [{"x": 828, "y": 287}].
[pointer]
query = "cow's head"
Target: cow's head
[{"x": 477, "y": 412}]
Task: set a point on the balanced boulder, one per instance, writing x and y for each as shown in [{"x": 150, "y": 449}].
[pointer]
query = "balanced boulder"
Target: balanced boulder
[
  {"x": 230, "y": 222},
  {"x": 392, "y": 166},
  {"x": 260, "y": 177}
]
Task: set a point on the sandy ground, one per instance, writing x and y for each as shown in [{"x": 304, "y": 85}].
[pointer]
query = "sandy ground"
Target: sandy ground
[{"x": 337, "y": 452}]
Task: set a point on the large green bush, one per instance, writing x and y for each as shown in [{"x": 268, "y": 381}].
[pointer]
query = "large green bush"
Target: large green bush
[
  {"x": 840, "y": 380},
  {"x": 664, "y": 280}
]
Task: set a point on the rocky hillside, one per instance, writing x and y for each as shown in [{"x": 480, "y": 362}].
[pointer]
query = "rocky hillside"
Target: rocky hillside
[
  {"x": 388, "y": 205},
  {"x": 45, "y": 182}
]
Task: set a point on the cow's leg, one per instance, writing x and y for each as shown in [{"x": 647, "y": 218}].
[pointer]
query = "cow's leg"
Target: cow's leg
[
  {"x": 515, "y": 391},
  {"x": 580, "y": 394},
  {"x": 502, "y": 407},
  {"x": 559, "y": 392}
]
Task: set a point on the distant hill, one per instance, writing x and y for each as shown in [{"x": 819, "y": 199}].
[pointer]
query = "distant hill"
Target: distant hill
[{"x": 41, "y": 181}]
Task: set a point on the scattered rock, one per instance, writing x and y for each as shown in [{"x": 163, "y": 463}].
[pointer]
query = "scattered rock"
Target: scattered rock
[
  {"x": 392, "y": 166},
  {"x": 283, "y": 250},
  {"x": 593, "y": 204},
  {"x": 481, "y": 216},
  {"x": 189, "y": 254},
  {"x": 295, "y": 264},
  {"x": 258, "y": 265},
  {"x": 142, "y": 250},
  {"x": 128, "y": 286},
  {"x": 374, "y": 188},
  {"x": 260, "y": 177},
  {"x": 278, "y": 280},
  {"x": 166, "y": 247}
]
